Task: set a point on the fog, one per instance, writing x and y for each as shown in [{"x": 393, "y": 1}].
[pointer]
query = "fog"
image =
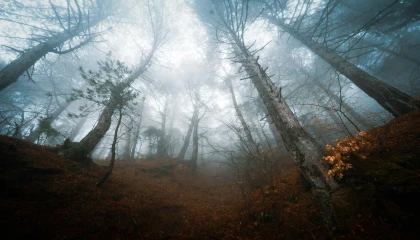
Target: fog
[{"x": 192, "y": 56}]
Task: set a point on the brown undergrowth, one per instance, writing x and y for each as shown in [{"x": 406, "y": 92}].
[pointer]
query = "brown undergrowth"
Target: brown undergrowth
[
  {"x": 45, "y": 196},
  {"x": 381, "y": 191}
]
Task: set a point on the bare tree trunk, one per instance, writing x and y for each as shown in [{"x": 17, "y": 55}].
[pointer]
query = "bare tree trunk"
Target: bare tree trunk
[
  {"x": 276, "y": 133},
  {"x": 114, "y": 143},
  {"x": 390, "y": 98},
  {"x": 306, "y": 153},
  {"x": 251, "y": 145},
  {"x": 184, "y": 148}
]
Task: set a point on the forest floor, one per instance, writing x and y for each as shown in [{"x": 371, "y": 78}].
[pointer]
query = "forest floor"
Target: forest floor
[{"x": 45, "y": 196}]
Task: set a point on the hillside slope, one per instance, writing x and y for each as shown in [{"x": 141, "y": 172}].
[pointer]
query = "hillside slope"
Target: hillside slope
[{"x": 45, "y": 196}]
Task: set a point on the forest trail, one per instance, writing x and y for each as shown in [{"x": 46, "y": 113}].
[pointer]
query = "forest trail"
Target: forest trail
[{"x": 45, "y": 196}]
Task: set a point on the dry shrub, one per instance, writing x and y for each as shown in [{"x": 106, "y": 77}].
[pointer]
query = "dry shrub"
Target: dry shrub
[{"x": 339, "y": 156}]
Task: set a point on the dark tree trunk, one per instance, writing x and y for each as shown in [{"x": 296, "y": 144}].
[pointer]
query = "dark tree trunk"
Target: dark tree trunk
[
  {"x": 184, "y": 148},
  {"x": 80, "y": 151},
  {"x": 390, "y": 98}
]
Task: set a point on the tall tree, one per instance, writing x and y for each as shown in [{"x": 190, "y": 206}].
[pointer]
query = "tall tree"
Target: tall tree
[
  {"x": 79, "y": 151},
  {"x": 230, "y": 18}
]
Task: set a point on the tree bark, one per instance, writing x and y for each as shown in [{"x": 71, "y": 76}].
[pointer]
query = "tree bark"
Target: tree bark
[
  {"x": 114, "y": 143},
  {"x": 390, "y": 98}
]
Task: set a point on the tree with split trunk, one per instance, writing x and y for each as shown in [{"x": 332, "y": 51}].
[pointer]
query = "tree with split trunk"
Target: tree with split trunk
[
  {"x": 230, "y": 17},
  {"x": 70, "y": 26},
  {"x": 187, "y": 138}
]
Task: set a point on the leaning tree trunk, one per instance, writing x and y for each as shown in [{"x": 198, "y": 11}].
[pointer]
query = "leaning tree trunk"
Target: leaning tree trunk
[
  {"x": 306, "y": 153},
  {"x": 80, "y": 151},
  {"x": 390, "y": 98},
  {"x": 275, "y": 131},
  {"x": 28, "y": 58},
  {"x": 184, "y": 148},
  {"x": 251, "y": 145}
]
